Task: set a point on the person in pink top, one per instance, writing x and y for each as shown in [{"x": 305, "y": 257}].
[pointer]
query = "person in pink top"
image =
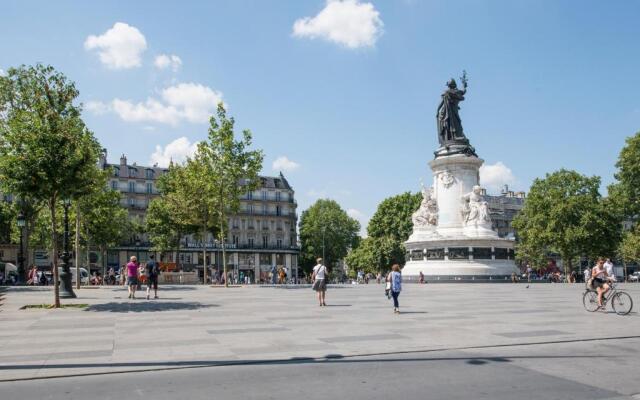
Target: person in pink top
[{"x": 132, "y": 276}]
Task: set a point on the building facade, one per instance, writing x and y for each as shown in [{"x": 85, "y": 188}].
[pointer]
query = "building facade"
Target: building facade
[
  {"x": 503, "y": 209},
  {"x": 262, "y": 236}
]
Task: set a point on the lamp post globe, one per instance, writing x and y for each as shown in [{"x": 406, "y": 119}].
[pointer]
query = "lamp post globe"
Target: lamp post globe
[{"x": 66, "y": 289}]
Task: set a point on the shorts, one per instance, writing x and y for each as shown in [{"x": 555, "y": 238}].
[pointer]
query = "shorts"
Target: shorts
[
  {"x": 597, "y": 283},
  {"x": 320, "y": 285},
  {"x": 152, "y": 282},
  {"x": 132, "y": 280}
]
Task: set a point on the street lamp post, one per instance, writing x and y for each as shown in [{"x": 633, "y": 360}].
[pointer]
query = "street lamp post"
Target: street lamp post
[
  {"x": 21, "y": 224},
  {"x": 66, "y": 290}
]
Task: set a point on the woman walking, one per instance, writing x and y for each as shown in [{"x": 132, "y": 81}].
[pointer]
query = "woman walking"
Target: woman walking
[
  {"x": 395, "y": 278},
  {"x": 319, "y": 276},
  {"x": 132, "y": 276}
]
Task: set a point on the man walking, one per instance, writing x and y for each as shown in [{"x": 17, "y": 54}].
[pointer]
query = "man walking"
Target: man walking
[
  {"x": 152, "y": 277},
  {"x": 319, "y": 276}
]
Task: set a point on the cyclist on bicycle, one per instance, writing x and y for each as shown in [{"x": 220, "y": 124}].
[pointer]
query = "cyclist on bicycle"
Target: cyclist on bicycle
[{"x": 600, "y": 280}]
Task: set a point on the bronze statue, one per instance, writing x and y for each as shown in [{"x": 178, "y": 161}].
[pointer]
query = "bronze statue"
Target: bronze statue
[
  {"x": 449, "y": 123},
  {"x": 450, "y": 134}
]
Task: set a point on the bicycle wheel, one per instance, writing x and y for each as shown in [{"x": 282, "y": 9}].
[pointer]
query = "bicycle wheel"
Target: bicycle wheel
[
  {"x": 622, "y": 303},
  {"x": 590, "y": 300}
]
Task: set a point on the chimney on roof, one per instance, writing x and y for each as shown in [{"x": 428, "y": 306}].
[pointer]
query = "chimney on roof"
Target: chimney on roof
[
  {"x": 103, "y": 158},
  {"x": 505, "y": 189},
  {"x": 123, "y": 160}
]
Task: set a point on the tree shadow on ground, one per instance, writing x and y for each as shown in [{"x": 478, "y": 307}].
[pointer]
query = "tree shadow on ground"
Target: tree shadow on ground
[
  {"x": 328, "y": 359},
  {"x": 146, "y": 306}
]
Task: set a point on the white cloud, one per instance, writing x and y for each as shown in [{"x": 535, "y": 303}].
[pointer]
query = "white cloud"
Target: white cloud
[
  {"x": 120, "y": 47},
  {"x": 347, "y": 22},
  {"x": 191, "y": 102},
  {"x": 164, "y": 61},
  {"x": 178, "y": 151},
  {"x": 2, "y": 72},
  {"x": 97, "y": 107},
  {"x": 316, "y": 194},
  {"x": 282, "y": 163},
  {"x": 494, "y": 177},
  {"x": 360, "y": 217}
]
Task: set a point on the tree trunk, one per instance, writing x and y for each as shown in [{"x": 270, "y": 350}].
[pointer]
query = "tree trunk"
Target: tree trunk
[
  {"x": 77, "y": 247},
  {"x": 204, "y": 251},
  {"x": 224, "y": 253},
  {"x": 178, "y": 267},
  {"x": 104, "y": 263},
  {"x": 54, "y": 237},
  {"x": 567, "y": 269}
]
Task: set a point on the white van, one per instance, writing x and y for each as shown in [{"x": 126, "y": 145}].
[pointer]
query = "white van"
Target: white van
[{"x": 84, "y": 275}]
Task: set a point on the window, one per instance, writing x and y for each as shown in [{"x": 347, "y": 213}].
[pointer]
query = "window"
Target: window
[
  {"x": 250, "y": 242},
  {"x": 250, "y": 208},
  {"x": 132, "y": 187},
  {"x": 279, "y": 243},
  {"x": 133, "y": 172},
  {"x": 264, "y": 195},
  {"x": 114, "y": 185},
  {"x": 264, "y": 209},
  {"x": 235, "y": 239},
  {"x": 149, "y": 188},
  {"x": 278, "y": 210},
  {"x": 265, "y": 259},
  {"x": 149, "y": 174},
  {"x": 116, "y": 171},
  {"x": 132, "y": 202},
  {"x": 250, "y": 195},
  {"x": 265, "y": 241},
  {"x": 277, "y": 196}
]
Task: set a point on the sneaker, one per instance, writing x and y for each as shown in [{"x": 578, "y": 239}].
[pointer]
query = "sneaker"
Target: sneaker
[
  {"x": 156, "y": 297},
  {"x": 129, "y": 295}
]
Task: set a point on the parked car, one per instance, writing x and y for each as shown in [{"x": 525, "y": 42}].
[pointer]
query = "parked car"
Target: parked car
[
  {"x": 84, "y": 275},
  {"x": 635, "y": 277}
]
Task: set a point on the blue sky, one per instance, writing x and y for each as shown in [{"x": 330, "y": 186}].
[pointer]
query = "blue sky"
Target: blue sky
[{"x": 345, "y": 92}]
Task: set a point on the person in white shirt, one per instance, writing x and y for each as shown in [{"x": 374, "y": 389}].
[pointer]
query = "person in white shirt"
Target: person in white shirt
[
  {"x": 587, "y": 274},
  {"x": 319, "y": 276},
  {"x": 608, "y": 265}
]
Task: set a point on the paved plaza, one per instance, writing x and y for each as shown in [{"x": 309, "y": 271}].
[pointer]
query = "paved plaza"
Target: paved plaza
[{"x": 493, "y": 341}]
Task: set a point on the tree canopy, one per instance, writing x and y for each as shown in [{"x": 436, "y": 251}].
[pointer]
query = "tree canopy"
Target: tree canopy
[
  {"x": 393, "y": 216},
  {"x": 325, "y": 219},
  {"x": 564, "y": 213},
  {"x": 46, "y": 151},
  {"x": 625, "y": 193},
  {"x": 375, "y": 254}
]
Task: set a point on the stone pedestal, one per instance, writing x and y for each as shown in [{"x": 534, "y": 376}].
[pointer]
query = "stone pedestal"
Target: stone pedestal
[{"x": 462, "y": 245}]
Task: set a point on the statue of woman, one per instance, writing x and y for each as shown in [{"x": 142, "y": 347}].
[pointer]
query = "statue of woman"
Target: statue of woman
[
  {"x": 449, "y": 123},
  {"x": 475, "y": 210},
  {"x": 427, "y": 214}
]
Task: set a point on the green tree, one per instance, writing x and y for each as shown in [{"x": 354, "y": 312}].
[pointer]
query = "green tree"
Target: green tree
[
  {"x": 393, "y": 217},
  {"x": 625, "y": 193},
  {"x": 564, "y": 213},
  {"x": 168, "y": 216},
  {"x": 375, "y": 254},
  {"x": 326, "y": 228},
  {"x": 229, "y": 170},
  {"x": 46, "y": 150},
  {"x": 629, "y": 249},
  {"x": 104, "y": 220}
]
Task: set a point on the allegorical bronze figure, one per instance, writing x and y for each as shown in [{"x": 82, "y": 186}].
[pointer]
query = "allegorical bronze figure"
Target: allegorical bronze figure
[{"x": 450, "y": 133}]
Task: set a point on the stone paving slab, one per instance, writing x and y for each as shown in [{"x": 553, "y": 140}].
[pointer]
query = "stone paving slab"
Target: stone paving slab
[{"x": 195, "y": 324}]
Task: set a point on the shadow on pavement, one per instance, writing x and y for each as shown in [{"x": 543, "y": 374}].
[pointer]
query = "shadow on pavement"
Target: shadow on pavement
[
  {"x": 329, "y": 359},
  {"x": 146, "y": 306}
]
